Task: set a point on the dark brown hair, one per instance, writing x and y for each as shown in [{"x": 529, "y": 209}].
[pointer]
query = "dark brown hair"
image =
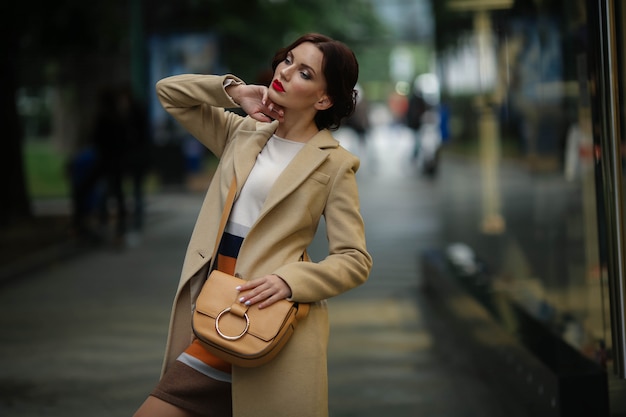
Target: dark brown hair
[{"x": 341, "y": 70}]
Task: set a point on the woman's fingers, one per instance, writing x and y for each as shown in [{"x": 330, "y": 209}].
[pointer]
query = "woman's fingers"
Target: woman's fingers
[
  {"x": 278, "y": 111},
  {"x": 273, "y": 110},
  {"x": 261, "y": 117},
  {"x": 265, "y": 291},
  {"x": 265, "y": 113},
  {"x": 254, "y": 100}
]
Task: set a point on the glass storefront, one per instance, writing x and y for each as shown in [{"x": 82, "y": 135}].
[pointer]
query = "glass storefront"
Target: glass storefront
[
  {"x": 609, "y": 137},
  {"x": 524, "y": 190}
]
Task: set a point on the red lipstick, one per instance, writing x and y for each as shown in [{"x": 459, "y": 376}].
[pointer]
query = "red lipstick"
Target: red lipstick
[{"x": 276, "y": 85}]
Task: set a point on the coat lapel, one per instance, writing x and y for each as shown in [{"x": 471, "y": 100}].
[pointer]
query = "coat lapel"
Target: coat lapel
[
  {"x": 310, "y": 157},
  {"x": 246, "y": 150}
]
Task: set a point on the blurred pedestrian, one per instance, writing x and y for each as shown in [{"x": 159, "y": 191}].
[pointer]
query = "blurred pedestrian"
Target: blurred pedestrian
[
  {"x": 428, "y": 120},
  {"x": 290, "y": 171},
  {"x": 84, "y": 178},
  {"x": 398, "y": 106},
  {"x": 119, "y": 149},
  {"x": 110, "y": 135},
  {"x": 136, "y": 154},
  {"x": 414, "y": 115},
  {"x": 99, "y": 166},
  {"x": 359, "y": 121}
]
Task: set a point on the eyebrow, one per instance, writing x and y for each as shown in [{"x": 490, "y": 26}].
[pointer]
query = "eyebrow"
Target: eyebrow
[{"x": 290, "y": 54}]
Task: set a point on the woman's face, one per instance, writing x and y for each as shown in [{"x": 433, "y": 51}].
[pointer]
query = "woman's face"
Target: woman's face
[{"x": 299, "y": 82}]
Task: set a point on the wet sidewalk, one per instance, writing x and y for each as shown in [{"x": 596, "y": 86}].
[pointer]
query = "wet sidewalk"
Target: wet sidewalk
[{"x": 85, "y": 336}]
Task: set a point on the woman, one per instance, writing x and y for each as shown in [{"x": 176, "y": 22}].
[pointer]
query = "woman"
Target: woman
[{"x": 289, "y": 172}]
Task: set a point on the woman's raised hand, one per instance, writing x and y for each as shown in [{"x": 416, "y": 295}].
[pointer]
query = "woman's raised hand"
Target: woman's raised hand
[{"x": 254, "y": 100}]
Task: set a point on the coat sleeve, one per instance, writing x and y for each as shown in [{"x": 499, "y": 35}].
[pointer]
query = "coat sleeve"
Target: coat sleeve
[
  {"x": 348, "y": 263},
  {"x": 197, "y": 102}
]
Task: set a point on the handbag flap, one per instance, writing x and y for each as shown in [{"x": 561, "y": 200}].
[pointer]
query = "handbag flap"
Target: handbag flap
[{"x": 219, "y": 293}]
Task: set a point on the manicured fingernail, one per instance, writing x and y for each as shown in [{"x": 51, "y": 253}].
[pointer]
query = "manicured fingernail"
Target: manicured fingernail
[
  {"x": 241, "y": 299},
  {"x": 247, "y": 303},
  {"x": 238, "y": 287}
]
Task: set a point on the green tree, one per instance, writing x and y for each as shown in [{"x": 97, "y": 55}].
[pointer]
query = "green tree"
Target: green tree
[
  {"x": 46, "y": 43},
  {"x": 77, "y": 45},
  {"x": 250, "y": 31}
]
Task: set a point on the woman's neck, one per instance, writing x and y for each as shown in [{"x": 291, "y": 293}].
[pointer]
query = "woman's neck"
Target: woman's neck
[{"x": 297, "y": 129}]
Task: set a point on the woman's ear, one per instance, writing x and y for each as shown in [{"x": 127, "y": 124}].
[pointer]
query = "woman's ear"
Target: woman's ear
[{"x": 324, "y": 103}]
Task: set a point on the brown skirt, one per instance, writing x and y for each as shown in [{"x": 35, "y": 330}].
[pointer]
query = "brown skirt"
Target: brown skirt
[{"x": 191, "y": 390}]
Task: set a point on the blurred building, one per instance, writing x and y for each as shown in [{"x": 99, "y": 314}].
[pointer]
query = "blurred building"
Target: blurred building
[{"x": 534, "y": 190}]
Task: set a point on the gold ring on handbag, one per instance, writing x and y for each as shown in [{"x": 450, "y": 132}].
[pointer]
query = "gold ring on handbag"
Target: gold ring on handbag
[{"x": 217, "y": 325}]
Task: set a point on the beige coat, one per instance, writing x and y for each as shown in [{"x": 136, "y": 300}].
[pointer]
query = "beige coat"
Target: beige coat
[{"x": 319, "y": 181}]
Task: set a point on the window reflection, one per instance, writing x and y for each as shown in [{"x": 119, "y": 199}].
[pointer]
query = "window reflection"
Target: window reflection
[{"x": 520, "y": 188}]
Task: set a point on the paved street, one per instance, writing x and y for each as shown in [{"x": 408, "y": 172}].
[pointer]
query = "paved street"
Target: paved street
[{"x": 85, "y": 336}]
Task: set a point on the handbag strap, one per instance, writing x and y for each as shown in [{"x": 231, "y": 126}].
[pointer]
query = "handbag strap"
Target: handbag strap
[
  {"x": 230, "y": 199},
  {"x": 303, "y": 308}
]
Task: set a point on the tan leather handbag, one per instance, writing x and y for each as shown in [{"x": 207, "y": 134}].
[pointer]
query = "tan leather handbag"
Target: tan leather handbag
[{"x": 242, "y": 335}]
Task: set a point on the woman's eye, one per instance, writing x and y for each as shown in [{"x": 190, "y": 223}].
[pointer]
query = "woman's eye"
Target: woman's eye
[
  {"x": 305, "y": 75},
  {"x": 288, "y": 60}
]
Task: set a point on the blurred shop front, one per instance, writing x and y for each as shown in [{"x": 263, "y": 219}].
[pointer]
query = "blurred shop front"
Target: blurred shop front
[{"x": 533, "y": 199}]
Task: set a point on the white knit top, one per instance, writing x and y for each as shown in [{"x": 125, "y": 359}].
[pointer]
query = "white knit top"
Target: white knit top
[{"x": 272, "y": 160}]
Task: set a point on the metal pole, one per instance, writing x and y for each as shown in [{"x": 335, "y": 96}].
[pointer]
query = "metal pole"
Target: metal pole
[{"x": 614, "y": 195}]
